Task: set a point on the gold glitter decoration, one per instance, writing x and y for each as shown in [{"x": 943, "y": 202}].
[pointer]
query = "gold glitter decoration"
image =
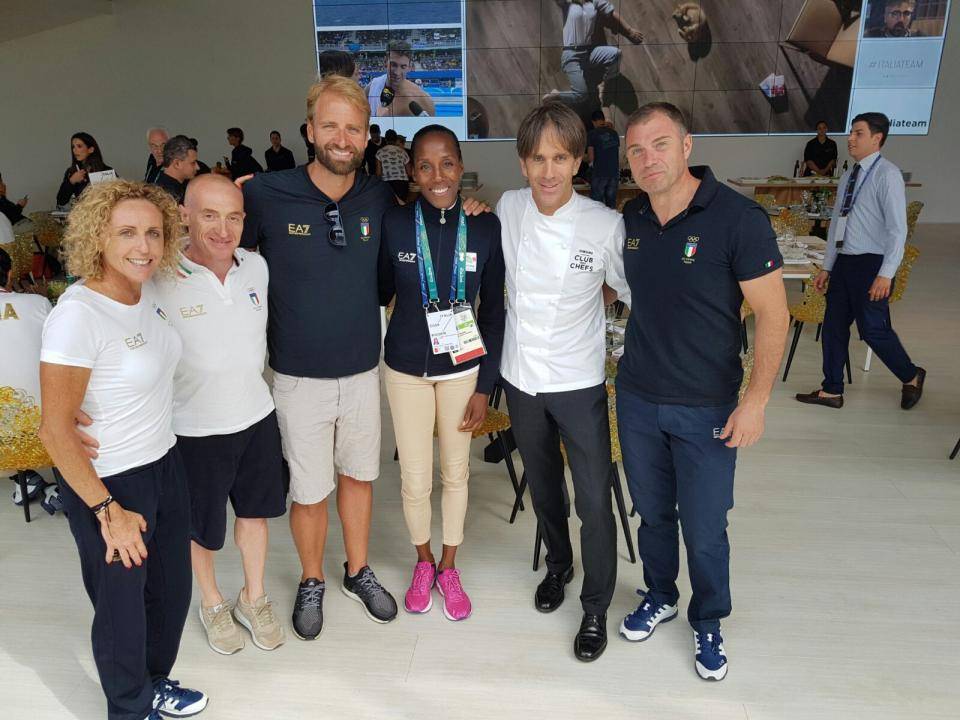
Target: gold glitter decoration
[
  {"x": 20, "y": 447},
  {"x": 910, "y": 255},
  {"x": 49, "y": 232},
  {"x": 21, "y": 254}
]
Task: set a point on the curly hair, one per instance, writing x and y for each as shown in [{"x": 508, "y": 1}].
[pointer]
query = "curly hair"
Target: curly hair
[{"x": 89, "y": 221}]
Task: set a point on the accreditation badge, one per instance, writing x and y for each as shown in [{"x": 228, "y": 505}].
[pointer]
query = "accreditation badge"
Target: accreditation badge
[
  {"x": 443, "y": 332},
  {"x": 471, "y": 344},
  {"x": 839, "y": 229}
]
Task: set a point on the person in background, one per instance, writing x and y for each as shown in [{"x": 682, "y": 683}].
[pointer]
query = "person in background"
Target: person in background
[
  {"x": 562, "y": 251},
  {"x": 865, "y": 245},
  {"x": 392, "y": 94},
  {"x": 694, "y": 250},
  {"x": 277, "y": 156},
  {"x": 156, "y": 138},
  {"x": 337, "y": 62},
  {"x": 373, "y": 145},
  {"x": 87, "y": 159},
  {"x": 109, "y": 352},
  {"x": 603, "y": 154},
  {"x": 202, "y": 167},
  {"x": 241, "y": 162},
  {"x": 13, "y": 210},
  {"x": 820, "y": 154},
  {"x": 179, "y": 166},
  {"x": 21, "y": 324},
  {"x": 223, "y": 414},
  {"x": 894, "y": 21},
  {"x": 311, "y": 151},
  {"x": 430, "y": 389},
  {"x": 392, "y": 161}
]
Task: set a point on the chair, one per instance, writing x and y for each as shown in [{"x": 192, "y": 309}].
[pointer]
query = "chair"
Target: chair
[
  {"x": 20, "y": 446},
  {"x": 791, "y": 222},
  {"x": 956, "y": 449},
  {"x": 745, "y": 312},
  {"x": 913, "y": 214},
  {"x": 810, "y": 310},
  {"x": 616, "y": 456},
  {"x": 902, "y": 276}
]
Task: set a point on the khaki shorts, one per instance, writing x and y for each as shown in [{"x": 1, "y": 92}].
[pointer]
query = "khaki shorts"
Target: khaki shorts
[{"x": 328, "y": 427}]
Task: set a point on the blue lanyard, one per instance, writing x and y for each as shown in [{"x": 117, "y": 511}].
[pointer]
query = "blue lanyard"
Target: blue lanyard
[
  {"x": 428, "y": 277},
  {"x": 859, "y": 187}
]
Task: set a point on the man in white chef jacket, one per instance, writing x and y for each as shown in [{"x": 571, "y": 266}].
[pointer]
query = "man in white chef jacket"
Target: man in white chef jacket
[{"x": 560, "y": 249}]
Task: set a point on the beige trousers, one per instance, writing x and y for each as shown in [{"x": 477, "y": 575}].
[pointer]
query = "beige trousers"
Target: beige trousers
[{"x": 417, "y": 404}]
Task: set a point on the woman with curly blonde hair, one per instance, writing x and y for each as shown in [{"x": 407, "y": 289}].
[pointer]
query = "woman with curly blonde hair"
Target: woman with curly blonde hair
[{"x": 109, "y": 352}]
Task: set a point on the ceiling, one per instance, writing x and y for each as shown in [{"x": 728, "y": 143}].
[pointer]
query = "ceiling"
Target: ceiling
[{"x": 26, "y": 17}]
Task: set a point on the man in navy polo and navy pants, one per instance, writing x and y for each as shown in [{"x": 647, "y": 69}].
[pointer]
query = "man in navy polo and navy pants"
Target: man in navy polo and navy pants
[
  {"x": 864, "y": 248},
  {"x": 694, "y": 250}
]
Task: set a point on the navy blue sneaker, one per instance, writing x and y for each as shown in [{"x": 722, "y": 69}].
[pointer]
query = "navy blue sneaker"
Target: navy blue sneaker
[
  {"x": 640, "y": 624},
  {"x": 711, "y": 660},
  {"x": 174, "y": 701}
]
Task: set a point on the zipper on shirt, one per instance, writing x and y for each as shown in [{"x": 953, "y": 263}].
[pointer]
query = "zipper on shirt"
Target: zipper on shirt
[{"x": 426, "y": 359}]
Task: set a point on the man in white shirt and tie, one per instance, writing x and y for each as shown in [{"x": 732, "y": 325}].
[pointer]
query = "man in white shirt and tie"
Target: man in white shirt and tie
[{"x": 560, "y": 248}]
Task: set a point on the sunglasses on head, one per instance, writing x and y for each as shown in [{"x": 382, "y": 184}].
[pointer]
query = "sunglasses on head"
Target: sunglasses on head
[{"x": 336, "y": 236}]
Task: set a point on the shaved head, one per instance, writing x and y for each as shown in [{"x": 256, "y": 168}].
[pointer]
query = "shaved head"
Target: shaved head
[{"x": 202, "y": 185}]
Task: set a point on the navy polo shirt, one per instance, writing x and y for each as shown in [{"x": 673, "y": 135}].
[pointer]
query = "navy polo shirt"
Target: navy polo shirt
[
  {"x": 683, "y": 337},
  {"x": 324, "y": 319}
]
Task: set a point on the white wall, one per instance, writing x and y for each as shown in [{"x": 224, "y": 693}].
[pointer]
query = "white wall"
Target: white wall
[{"x": 200, "y": 66}]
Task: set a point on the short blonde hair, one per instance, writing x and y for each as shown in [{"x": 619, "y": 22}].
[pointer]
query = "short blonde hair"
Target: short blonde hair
[
  {"x": 344, "y": 88},
  {"x": 89, "y": 222}
]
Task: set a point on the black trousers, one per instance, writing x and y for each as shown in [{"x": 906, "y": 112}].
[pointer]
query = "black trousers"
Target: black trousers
[
  {"x": 580, "y": 418},
  {"x": 138, "y": 613},
  {"x": 847, "y": 301}
]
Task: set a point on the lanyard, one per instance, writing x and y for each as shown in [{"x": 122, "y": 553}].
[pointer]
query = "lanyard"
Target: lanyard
[
  {"x": 859, "y": 187},
  {"x": 428, "y": 277}
]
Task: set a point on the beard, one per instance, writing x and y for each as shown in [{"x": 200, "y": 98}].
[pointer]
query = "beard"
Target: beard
[
  {"x": 898, "y": 30},
  {"x": 338, "y": 167}
]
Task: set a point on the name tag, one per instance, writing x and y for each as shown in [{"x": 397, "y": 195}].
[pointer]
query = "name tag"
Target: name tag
[
  {"x": 840, "y": 228},
  {"x": 443, "y": 332},
  {"x": 471, "y": 344},
  {"x": 471, "y": 262}
]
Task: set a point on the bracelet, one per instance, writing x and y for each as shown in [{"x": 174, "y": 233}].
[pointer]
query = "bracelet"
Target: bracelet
[{"x": 97, "y": 509}]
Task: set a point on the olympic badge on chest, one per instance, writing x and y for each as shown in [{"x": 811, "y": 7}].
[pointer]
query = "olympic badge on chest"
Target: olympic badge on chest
[
  {"x": 254, "y": 296},
  {"x": 690, "y": 249}
]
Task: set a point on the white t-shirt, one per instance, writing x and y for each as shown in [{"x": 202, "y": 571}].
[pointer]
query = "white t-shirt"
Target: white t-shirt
[
  {"x": 21, "y": 327},
  {"x": 218, "y": 387},
  {"x": 581, "y": 20},
  {"x": 555, "y": 337},
  {"x": 132, "y": 351},
  {"x": 373, "y": 92},
  {"x": 394, "y": 160}
]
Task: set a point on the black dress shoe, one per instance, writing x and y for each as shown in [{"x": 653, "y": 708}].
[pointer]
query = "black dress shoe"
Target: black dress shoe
[
  {"x": 910, "y": 395},
  {"x": 591, "y": 640},
  {"x": 814, "y": 398},
  {"x": 550, "y": 591}
]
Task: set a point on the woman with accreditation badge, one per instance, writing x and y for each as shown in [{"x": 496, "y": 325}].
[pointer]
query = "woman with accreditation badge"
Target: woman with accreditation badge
[{"x": 442, "y": 358}]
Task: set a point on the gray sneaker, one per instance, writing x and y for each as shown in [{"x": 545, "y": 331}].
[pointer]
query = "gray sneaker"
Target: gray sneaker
[
  {"x": 223, "y": 635},
  {"x": 367, "y": 590},
  {"x": 258, "y": 617},
  {"x": 308, "y": 609}
]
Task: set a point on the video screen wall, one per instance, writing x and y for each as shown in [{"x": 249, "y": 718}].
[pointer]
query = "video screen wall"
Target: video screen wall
[{"x": 733, "y": 66}]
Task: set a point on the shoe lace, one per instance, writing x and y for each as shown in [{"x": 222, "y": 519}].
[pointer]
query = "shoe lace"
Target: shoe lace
[
  {"x": 221, "y": 618},
  {"x": 165, "y": 689},
  {"x": 368, "y": 582},
  {"x": 553, "y": 581},
  {"x": 263, "y": 615},
  {"x": 309, "y": 596},
  {"x": 454, "y": 590},
  {"x": 422, "y": 579},
  {"x": 711, "y": 641},
  {"x": 643, "y": 610}
]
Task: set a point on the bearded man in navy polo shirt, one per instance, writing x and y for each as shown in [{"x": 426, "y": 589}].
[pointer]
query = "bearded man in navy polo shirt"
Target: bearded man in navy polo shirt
[{"x": 694, "y": 250}]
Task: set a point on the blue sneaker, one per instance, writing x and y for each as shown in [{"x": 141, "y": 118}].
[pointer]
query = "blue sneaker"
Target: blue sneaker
[
  {"x": 640, "y": 624},
  {"x": 711, "y": 660},
  {"x": 174, "y": 701}
]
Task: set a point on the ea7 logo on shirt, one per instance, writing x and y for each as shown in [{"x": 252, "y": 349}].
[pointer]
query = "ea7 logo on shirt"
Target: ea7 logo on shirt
[
  {"x": 9, "y": 312},
  {"x": 633, "y": 243},
  {"x": 298, "y": 230},
  {"x": 583, "y": 261},
  {"x": 690, "y": 249},
  {"x": 406, "y": 257},
  {"x": 192, "y": 311},
  {"x": 135, "y": 342}
]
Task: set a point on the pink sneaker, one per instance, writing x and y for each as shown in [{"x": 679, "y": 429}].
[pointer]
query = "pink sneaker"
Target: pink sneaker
[
  {"x": 419, "y": 598},
  {"x": 456, "y": 604}
]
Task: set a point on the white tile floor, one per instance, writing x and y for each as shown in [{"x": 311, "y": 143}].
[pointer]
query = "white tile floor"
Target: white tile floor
[{"x": 845, "y": 565}]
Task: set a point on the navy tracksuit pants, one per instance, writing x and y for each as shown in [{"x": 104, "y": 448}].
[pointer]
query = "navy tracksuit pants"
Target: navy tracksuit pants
[
  {"x": 680, "y": 476},
  {"x": 138, "y": 613},
  {"x": 847, "y": 301}
]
